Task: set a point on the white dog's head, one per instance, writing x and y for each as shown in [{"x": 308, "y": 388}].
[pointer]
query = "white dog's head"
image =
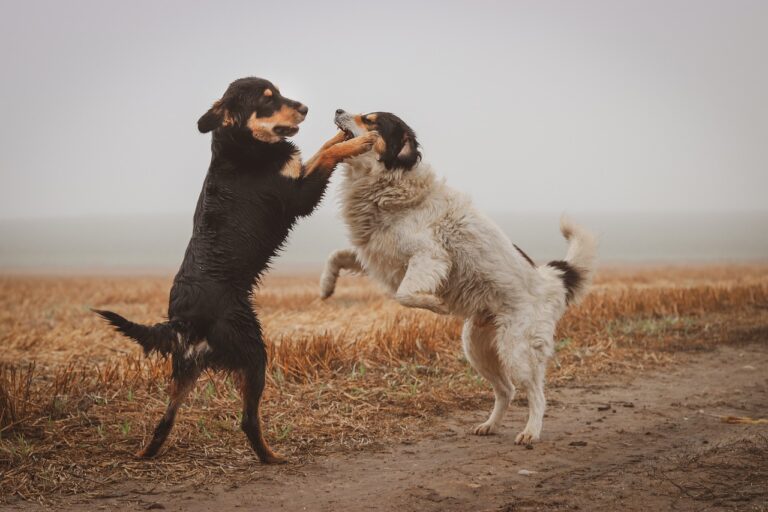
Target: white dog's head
[{"x": 396, "y": 146}]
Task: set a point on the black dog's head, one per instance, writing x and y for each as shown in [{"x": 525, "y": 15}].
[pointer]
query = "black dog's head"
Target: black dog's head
[
  {"x": 397, "y": 145},
  {"x": 256, "y": 105}
]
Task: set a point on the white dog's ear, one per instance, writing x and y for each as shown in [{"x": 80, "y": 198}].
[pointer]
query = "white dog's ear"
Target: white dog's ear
[
  {"x": 409, "y": 154},
  {"x": 408, "y": 149},
  {"x": 401, "y": 151}
]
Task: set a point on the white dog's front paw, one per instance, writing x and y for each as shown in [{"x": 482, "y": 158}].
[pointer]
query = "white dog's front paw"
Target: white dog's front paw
[
  {"x": 423, "y": 301},
  {"x": 484, "y": 429},
  {"x": 440, "y": 307},
  {"x": 327, "y": 286},
  {"x": 526, "y": 438}
]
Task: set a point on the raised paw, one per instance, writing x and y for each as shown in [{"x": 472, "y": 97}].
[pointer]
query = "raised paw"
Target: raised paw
[
  {"x": 424, "y": 301},
  {"x": 364, "y": 143},
  {"x": 370, "y": 138},
  {"x": 327, "y": 285},
  {"x": 440, "y": 307},
  {"x": 336, "y": 139},
  {"x": 484, "y": 429},
  {"x": 526, "y": 438},
  {"x": 326, "y": 292}
]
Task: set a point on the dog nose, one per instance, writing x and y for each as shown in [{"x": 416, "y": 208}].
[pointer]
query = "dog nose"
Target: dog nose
[
  {"x": 339, "y": 111},
  {"x": 303, "y": 110}
]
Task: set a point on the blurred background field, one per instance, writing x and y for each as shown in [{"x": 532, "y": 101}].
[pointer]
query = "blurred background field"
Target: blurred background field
[{"x": 154, "y": 243}]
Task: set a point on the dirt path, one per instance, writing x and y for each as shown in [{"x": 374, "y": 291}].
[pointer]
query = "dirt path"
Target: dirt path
[{"x": 649, "y": 442}]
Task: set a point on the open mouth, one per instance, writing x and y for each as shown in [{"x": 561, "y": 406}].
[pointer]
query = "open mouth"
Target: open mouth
[
  {"x": 347, "y": 133},
  {"x": 285, "y": 130}
]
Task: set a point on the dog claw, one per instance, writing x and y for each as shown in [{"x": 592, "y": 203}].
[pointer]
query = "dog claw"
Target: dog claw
[
  {"x": 484, "y": 429},
  {"x": 525, "y": 438}
]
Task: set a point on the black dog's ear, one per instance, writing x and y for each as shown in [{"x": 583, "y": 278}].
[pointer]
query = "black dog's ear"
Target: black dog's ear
[{"x": 216, "y": 116}]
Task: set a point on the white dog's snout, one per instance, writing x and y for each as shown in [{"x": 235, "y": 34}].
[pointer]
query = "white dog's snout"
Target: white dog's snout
[
  {"x": 342, "y": 117},
  {"x": 346, "y": 121}
]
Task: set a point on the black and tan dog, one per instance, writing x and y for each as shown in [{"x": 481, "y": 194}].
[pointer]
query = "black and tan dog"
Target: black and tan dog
[{"x": 255, "y": 189}]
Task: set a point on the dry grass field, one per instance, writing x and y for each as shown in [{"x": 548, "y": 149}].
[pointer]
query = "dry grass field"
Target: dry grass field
[{"x": 356, "y": 372}]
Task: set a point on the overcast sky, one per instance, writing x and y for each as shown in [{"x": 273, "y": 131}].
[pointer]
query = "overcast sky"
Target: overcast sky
[{"x": 539, "y": 105}]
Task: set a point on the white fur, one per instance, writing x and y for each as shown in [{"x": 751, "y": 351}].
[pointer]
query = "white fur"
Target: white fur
[
  {"x": 432, "y": 249},
  {"x": 196, "y": 350}
]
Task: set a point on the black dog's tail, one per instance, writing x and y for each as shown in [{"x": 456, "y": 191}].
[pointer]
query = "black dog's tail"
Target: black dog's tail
[{"x": 159, "y": 337}]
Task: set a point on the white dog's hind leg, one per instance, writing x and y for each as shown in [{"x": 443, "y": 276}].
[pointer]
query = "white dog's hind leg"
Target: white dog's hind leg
[
  {"x": 426, "y": 272},
  {"x": 537, "y": 403},
  {"x": 338, "y": 260},
  {"x": 526, "y": 359},
  {"x": 479, "y": 342}
]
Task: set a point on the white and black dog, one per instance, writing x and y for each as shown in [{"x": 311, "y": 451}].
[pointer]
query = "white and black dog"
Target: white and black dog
[{"x": 432, "y": 249}]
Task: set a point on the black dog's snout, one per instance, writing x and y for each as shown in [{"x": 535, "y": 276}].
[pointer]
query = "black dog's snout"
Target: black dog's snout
[
  {"x": 285, "y": 131},
  {"x": 339, "y": 111},
  {"x": 303, "y": 109}
]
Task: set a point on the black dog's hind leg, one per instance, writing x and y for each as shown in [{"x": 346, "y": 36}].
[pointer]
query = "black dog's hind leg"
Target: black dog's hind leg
[
  {"x": 247, "y": 358},
  {"x": 183, "y": 378},
  {"x": 252, "y": 378}
]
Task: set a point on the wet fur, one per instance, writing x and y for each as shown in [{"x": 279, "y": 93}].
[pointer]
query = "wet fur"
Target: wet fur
[{"x": 251, "y": 197}]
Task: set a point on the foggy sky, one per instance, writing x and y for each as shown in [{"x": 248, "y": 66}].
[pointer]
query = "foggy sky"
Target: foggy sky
[{"x": 540, "y": 105}]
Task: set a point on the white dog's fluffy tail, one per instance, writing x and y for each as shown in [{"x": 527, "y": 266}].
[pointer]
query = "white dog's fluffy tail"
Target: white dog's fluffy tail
[{"x": 578, "y": 267}]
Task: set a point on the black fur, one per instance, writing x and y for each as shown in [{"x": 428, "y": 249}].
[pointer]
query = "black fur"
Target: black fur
[
  {"x": 243, "y": 97},
  {"x": 152, "y": 338},
  {"x": 524, "y": 255},
  {"x": 572, "y": 278},
  {"x": 402, "y": 148},
  {"x": 244, "y": 213}
]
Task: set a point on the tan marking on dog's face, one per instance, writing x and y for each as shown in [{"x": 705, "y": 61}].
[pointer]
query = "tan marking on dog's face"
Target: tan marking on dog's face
[
  {"x": 262, "y": 127},
  {"x": 364, "y": 122},
  {"x": 293, "y": 168},
  {"x": 268, "y": 92}
]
